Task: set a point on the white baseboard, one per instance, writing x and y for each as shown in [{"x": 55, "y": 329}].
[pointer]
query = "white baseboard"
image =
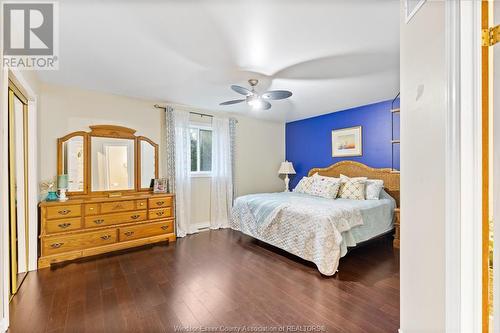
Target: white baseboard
[
  {"x": 201, "y": 226},
  {"x": 4, "y": 325}
]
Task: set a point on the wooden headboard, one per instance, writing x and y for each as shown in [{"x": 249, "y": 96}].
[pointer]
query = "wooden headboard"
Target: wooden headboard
[{"x": 356, "y": 169}]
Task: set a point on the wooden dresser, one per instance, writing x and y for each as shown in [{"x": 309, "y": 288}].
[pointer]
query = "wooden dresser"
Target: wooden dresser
[{"x": 85, "y": 227}]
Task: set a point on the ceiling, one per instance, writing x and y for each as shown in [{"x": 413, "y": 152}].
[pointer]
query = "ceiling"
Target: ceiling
[{"x": 331, "y": 54}]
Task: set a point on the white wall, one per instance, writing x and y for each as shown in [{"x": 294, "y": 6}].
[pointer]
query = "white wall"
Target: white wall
[
  {"x": 64, "y": 110},
  {"x": 422, "y": 260},
  {"x": 260, "y": 149}
]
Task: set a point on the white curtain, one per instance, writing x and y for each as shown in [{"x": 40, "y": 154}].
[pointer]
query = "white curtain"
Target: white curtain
[
  {"x": 182, "y": 170},
  {"x": 169, "y": 147},
  {"x": 221, "y": 197}
]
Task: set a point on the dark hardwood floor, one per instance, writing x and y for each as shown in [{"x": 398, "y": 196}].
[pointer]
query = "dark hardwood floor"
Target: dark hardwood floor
[{"x": 212, "y": 279}]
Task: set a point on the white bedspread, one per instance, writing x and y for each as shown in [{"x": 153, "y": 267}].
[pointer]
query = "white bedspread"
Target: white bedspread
[{"x": 308, "y": 227}]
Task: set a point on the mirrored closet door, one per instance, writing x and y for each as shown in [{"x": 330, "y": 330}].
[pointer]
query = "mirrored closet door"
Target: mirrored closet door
[{"x": 18, "y": 187}]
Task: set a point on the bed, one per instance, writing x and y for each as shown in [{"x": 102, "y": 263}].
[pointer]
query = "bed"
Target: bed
[{"x": 317, "y": 229}]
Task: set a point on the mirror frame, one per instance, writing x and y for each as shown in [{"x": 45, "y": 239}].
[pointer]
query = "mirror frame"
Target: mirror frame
[
  {"x": 107, "y": 131},
  {"x": 139, "y": 155},
  {"x": 60, "y": 142}
]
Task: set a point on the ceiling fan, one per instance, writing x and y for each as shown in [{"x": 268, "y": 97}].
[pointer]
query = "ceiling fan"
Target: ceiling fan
[{"x": 256, "y": 101}]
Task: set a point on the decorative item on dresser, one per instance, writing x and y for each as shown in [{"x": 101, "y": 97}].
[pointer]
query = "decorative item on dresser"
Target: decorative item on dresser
[
  {"x": 100, "y": 167},
  {"x": 62, "y": 182},
  {"x": 396, "y": 228}
]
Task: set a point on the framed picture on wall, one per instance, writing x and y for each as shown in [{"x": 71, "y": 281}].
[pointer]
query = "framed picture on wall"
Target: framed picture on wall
[{"x": 347, "y": 142}]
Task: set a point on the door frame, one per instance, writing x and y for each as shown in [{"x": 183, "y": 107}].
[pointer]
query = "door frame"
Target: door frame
[{"x": 463, "y": 182}]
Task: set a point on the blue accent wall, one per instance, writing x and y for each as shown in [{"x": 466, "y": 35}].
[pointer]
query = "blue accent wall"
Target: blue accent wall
[{"x": 309, "y": 141}]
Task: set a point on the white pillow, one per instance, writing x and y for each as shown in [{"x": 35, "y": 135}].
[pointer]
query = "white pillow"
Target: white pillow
[
  {"x": 318, "y": 176},
  {"x": 373, "y": 189},
  {"x": 326, "y": 187}
]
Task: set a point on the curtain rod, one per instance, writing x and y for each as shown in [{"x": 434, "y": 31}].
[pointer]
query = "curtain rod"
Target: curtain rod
[{"x": 192, "y": 112}]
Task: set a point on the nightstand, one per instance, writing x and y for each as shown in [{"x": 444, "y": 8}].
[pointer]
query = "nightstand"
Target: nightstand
[{"x": 396, "y": 228}]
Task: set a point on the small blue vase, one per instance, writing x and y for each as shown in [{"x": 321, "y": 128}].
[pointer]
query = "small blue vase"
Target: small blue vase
[{"x": 52, "y": 196}]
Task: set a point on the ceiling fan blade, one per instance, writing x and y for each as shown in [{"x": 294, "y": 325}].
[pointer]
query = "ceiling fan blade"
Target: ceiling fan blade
[
  {"x": 241, "y": 90},
  {"x": 266, "y": 105},
  {"x": 232, "y": 102},
  {"x": 276, "y": 94}
]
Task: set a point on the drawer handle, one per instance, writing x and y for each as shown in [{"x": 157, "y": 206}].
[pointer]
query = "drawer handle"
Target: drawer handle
[
  {"x": 64, "y": 225},
  {"x": 56, "y": 245},
  {"x": 135, "y": 217},
  {"x": 105, "y": 237},
  {"x": 141, "y": 204},
  {"x": 160, "y": 213},
  {"x": 64, "y": 211},
  {"x": 98, "y": 221},
  {"x": 119, "y": 206},
  {"x": 160, "y": 203},
  {"x": 129, "y": 233},
  {"x": 91, "y": 208},
  {"x": 164, "y": 227}
]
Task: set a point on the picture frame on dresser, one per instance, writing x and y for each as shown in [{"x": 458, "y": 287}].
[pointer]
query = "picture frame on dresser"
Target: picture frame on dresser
[
  {"x": 160, "y": 185},
  {"x": 103, "y": 214}
]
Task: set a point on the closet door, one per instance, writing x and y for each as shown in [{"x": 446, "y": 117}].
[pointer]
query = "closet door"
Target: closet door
[{"x": 18, "y": 187}]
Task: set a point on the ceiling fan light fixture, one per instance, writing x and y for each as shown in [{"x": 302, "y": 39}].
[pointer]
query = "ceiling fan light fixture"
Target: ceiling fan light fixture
[
  {"x": 255, "y": 102},
  {"x": 253, "y": 99}
]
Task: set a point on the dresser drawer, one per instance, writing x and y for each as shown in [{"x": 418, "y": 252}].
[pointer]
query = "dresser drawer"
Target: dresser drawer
[
  {"x": 54, "y": 245},
  {"x": 110, "y": 219},
  {"x": 63, "y": 225},
  {"x": 160, "y": 202},
  {"x": 146, "y": 230},
  {"x": 63, "y": 211},
  {"x": 117, "y": 206},
  {"x": 160, "y": 213},
  {"x": 91, "y": 209}
]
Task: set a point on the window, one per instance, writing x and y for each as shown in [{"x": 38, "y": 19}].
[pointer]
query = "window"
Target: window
[{"x": 201, "y": 150}]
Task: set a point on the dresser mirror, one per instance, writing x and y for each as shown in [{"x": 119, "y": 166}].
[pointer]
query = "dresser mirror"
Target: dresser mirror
[
  {"x": 107, "y": 159},
  {"x": 149, "y": 162},
  {"x": 71, "y": 157},
  {"x": 112, "y": 164}
]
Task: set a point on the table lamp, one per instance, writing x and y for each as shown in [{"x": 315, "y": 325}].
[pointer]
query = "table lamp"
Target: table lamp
[{"x": 286, "y": 169}]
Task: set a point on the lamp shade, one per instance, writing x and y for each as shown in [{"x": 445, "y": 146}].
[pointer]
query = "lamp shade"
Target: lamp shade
[
  {"x": 286, "y": 168},
  {"x": 62, "y": 181}
]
